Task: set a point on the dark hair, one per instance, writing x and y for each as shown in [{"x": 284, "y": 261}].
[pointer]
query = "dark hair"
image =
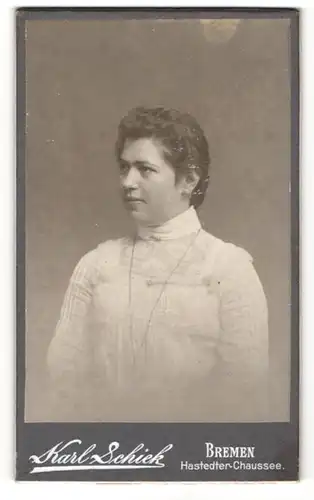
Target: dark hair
[{"x": 181, "y": 135}]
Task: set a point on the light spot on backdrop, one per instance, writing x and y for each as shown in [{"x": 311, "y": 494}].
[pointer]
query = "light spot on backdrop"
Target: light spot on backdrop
[{"x": 219, "y": 30}]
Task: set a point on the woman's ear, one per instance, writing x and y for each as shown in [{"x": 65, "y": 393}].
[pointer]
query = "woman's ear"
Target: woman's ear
[{"x": 190, "y": 181}]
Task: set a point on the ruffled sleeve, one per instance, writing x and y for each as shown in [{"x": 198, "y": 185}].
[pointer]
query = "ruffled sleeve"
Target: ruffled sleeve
[
  {"x": 243, "y": 358},
  {"x": 69, "y": 353}
]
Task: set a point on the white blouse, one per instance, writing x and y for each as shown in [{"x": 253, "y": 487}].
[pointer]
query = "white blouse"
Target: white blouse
[{"x": 169, "y": 326}]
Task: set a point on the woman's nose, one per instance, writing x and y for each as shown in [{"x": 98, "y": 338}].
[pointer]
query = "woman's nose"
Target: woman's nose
[{"x": 130, "y": 178}]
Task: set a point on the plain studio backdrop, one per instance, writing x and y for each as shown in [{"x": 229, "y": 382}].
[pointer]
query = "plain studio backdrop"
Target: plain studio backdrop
[{"x": 81, "y": 78}]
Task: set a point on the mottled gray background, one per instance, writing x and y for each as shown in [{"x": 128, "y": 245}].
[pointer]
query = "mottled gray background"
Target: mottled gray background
[{"x": 82, "y": 76}]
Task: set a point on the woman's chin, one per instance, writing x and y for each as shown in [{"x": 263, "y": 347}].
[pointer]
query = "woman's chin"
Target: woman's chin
[{"x": 139, "y": 216}]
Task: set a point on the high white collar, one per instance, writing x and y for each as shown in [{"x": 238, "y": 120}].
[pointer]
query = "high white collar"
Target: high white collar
[{"x": 182, "y": 225}]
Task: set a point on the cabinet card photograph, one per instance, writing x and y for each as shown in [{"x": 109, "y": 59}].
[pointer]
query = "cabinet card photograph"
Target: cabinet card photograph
[{"x": 157, "y": 244}]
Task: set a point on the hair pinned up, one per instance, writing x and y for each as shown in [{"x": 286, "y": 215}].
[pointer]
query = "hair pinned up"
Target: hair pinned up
[{"x": 185, "y": 144}]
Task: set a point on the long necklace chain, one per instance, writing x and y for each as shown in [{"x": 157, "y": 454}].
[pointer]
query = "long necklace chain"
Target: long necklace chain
[{"x": 164, "y": 285}]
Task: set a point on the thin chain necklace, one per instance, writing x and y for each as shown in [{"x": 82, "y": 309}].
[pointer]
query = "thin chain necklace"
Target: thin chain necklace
[{"x": 164, "y": 285}]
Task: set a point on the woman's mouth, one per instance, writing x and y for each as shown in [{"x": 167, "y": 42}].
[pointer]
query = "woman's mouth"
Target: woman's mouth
[{"x": 132, "y": 199}]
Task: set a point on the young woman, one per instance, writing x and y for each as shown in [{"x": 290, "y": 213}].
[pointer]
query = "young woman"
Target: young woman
[{"x": 170, "y": 323}]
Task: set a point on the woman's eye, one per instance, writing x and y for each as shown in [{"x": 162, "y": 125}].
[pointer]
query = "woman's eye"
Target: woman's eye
[
  {"x": 145, "y": 170},
  {"x": 124, "y": 168}
]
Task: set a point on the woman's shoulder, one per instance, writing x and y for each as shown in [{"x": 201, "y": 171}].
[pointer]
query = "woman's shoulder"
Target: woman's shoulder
[
  {"x": 106, "y": 252},
  {"x": 111, "y": 246},
  {"x": 224, "y": 255}
]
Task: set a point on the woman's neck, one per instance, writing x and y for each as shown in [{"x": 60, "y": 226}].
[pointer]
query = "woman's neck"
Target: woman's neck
[{"x": 183, "y": 224}]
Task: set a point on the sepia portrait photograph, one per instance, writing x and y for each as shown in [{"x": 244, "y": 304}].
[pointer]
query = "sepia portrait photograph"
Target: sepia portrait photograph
[{"x": 158, "y": 158}]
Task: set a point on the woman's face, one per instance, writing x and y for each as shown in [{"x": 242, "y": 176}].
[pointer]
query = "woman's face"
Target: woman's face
[{"x": 150, "y": 190}]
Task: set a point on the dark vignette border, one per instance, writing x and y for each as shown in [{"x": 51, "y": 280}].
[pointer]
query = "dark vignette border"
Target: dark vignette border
[
  {"x": 20, "y": 226},
  {"x": 286, "y": 433}
]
